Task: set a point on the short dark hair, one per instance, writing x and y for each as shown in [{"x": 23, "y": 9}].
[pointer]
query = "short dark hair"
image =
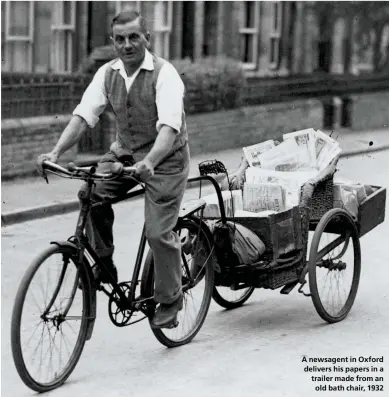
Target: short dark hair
[{"x": 130, "y": 16}]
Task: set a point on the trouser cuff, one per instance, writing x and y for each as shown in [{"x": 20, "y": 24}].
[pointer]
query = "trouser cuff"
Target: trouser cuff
[{"x": 167, "y": 300}]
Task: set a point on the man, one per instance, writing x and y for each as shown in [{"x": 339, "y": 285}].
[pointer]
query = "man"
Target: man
[{"x": 146, "y": 94}]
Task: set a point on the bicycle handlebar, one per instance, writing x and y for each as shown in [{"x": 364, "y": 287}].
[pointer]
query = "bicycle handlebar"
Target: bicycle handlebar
[{"x": 75, "y": 172}]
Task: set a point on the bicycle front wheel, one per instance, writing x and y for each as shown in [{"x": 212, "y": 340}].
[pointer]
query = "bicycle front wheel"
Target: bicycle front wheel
[
  {"x": 197, "y": 282},
  {"x": 49, "y": 319}
]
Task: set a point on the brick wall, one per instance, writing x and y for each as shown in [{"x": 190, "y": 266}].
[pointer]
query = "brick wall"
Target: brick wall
[
  {"x": 370, "y": 111},
  {"x": 22, "y": 140},
  {"x": 211, "y": 132}
]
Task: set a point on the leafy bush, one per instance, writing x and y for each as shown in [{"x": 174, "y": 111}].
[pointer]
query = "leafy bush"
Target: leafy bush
[
  {"x": 211, "y": 84},
  {"x": 98, "y": 57}
]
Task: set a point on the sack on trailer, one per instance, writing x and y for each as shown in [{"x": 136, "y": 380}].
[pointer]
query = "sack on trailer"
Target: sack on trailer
[{"x": 236, "y": 245}]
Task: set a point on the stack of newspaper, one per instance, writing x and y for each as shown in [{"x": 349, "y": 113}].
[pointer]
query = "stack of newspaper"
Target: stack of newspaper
[
  {"x": 288, "y": 187},
  {"x": 305, "y": 149},
  {"x": 232, "y": 200},
  {"x": 277, "y": 172}
]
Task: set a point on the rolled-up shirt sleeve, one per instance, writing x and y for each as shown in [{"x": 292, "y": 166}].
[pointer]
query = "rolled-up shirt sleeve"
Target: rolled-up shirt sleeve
[
  {"x": 169, "y": 97},
  {"x": 94, "y": 99}
]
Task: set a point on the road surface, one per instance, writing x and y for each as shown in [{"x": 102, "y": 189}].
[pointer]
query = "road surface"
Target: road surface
[{"x": 256, "y": 350}]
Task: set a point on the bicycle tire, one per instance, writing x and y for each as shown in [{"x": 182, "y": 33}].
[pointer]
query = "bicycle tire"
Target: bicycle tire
[
  {"x": 147, "y": 286},
  {"x": 229, "y": 304},
  {"x": 312, "y": 266},
  {"x": 16, "y": 343}
]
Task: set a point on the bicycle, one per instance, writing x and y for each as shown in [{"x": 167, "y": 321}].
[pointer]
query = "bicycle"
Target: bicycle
[{"x": 73, "y": 266}]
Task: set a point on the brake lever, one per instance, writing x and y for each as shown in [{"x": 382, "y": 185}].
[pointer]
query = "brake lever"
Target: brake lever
[{"x": 44, "y": 176}]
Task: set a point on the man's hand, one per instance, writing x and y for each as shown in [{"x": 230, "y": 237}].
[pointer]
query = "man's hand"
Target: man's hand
[
  {"x": 52, "y": 156},
  {"x": 144, "y": 169}
]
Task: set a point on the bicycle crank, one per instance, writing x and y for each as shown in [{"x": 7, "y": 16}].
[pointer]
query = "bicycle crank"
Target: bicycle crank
[{"x": 119, "y": 315}]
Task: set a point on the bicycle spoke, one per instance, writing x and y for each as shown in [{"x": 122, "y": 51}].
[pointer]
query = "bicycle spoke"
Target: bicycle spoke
[{"x": 47, "y": 347}]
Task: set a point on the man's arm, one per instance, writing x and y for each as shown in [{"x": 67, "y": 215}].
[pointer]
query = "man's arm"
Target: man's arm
[
  {"x": 161, "y": 148},
  {"x": 86, "y": 114},
  {"x": 162, "y": 145},
  {"x": 71, "y": 135}
]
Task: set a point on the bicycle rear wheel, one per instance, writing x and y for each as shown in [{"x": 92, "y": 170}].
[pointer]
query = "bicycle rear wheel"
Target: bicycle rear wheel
[
  {"x": 49, "y": 319},
  {"x": 230, "y": 299},
  {"x": 197, "y": 265}
]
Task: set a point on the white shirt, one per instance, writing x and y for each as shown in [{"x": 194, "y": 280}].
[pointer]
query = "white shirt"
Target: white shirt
[{"x": 169, "y": 93}]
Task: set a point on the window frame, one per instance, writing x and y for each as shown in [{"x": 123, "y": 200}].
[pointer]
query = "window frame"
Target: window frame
[
  {"x": 59, "y": 28},
  {"x": 254, "y": 31},
  {"x": 119, "y": 4},
  {"x": 9, "y": 38},
  {"x": 8, "y": 35},
  {"x": 162, "y": 28},
  {"x": 276, "y": 34}
]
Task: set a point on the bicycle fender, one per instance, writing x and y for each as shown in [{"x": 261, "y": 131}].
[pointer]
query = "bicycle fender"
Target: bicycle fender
[
  {"x": 92, "y": 301},
  {"x": 65, "y": 244}
]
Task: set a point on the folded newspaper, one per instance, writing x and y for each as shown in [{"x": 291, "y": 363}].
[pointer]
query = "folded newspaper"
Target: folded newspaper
[
  {"x": 263, "y": 197},
  {"x": 252, "y": 152},
  {"x": 232, "y": 200},
  {"x": 290, "y": 181},
  {"x": 327, "y": 149},
  {"x": 301, "y": 150},
  {"x": 287, "y": 156}
]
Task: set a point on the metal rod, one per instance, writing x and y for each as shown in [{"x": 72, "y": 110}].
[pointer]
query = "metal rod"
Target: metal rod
[{"x": 138, "y": 264}]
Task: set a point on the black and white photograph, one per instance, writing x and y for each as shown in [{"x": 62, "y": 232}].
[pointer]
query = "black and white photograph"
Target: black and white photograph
[{"x": 194, "y": 198}]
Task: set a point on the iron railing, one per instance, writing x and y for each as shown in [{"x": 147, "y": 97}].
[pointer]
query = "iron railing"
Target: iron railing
[
  {"x": 321, "y": 86},
  {"x": 29, "y": 95}
]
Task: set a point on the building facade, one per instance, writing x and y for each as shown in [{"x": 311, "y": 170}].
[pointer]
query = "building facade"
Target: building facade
[{"x": 274, "y": 38}]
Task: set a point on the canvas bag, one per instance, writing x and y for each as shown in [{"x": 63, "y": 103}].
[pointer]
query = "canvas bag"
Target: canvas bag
[{"x": 236, "y": 245}]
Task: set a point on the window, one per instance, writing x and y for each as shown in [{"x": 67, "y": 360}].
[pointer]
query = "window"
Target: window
[
  {"x": 128, "y": 5},
  {"x": 163, "y": 17},
  {"x": 63, "y": 29},
  {"x": 18, "y": 36},
  {"x": 275, "y": 34},
  {"x": 249, "y": 33}
]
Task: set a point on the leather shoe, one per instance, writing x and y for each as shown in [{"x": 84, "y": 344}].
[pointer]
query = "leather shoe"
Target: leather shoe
[{"x": 166, "y": 314}]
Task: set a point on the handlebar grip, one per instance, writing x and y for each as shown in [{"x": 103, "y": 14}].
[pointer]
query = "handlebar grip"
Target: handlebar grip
[
  {"x": 116, "y": 169},
  {"x": 129, "y": 170},
  {"x": 72, "y": 166}
]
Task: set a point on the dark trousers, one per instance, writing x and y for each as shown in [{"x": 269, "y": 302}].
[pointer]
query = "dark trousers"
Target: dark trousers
[{"x": 163, "y": 196}]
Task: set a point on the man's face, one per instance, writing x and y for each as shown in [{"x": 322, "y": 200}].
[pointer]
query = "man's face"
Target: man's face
[{"x": 130, "y": 42}]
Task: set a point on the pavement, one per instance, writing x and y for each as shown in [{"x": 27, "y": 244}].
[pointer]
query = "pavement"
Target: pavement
[{"x": 31, "y": 198}]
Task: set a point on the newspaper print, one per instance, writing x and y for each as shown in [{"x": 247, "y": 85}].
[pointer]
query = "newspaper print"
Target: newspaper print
[
  {"x": 326, "y": 149},
  {"x": 263, "y": 197},
  {"x": 290, "y": 181},
  {"x": 252, "y": 152},
  {"x": 305, "y": 138},
  {"x": 287, "y": 156}
]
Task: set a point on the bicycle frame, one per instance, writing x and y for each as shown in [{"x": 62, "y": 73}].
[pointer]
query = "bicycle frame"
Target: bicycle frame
[{"x": 85, "y": 248}]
